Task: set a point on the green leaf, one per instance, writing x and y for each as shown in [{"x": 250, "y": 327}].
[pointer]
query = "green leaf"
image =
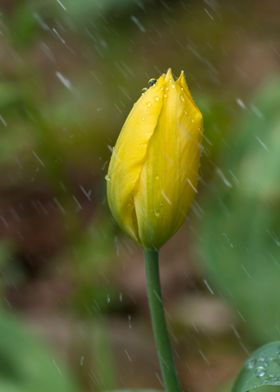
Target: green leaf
[
  {"x": 26, "y": 365},
  {"x": 261, "y": 369}
]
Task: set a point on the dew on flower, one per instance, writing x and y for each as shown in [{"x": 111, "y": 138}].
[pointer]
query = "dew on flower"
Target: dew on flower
[
  {"x": 152, "y": 82},
  {"x": 157, "y": 214}
]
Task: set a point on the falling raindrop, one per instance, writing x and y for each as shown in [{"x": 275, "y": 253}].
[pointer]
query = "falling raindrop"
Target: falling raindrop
[
  {"x": 240, "y": 103},
  {"x": 66, "y": 82}
]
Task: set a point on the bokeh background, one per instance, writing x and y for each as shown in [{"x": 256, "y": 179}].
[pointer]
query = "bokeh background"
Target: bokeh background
[{"x": 74, "y": 313}]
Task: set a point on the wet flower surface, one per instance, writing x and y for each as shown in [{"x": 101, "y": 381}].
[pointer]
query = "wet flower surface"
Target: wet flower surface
[{"x": 153, "y": 172}]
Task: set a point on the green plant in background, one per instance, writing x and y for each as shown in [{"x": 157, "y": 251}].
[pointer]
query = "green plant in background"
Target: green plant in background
[
  {"x": 240, "y": 250},
  {"x": 151, "y": 182},
  {"x": 93, "y": 252},
  {"x": 26, "y": 365}
]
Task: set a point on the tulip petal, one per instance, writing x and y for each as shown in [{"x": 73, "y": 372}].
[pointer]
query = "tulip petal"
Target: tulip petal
[
  {"x": 169, "y": 175},
  {"x": 129, "y": 156},
  {"x": 153, "y": 172},
  {"x": 181, "y": 81}
]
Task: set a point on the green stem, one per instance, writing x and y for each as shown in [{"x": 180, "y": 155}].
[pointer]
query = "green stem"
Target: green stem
[{"x": 163, "y": 345}]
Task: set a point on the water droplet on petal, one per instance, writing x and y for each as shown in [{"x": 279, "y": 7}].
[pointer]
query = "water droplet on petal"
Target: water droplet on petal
[{"x": 157, "y": 214}]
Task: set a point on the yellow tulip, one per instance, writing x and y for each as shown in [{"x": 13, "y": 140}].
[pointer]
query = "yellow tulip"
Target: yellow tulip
[{"x": 153, "y": 171}]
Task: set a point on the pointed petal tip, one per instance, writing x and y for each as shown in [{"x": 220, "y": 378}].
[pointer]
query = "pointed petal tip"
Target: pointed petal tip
[
  {"x": 169, "y": 75},
  {"x": 182, "y": 79},
  {"x": 161, "y": 80}
]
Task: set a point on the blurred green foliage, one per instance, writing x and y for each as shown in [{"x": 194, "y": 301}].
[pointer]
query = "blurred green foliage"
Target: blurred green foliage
[
  {"x": 240, "y": 229},
  {"x": 26, "y": 365},
  {"x": 70, "y": 71}
]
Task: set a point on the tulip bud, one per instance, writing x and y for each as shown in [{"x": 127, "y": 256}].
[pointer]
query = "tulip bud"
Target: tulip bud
[{"x": 153, "y": 171}]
